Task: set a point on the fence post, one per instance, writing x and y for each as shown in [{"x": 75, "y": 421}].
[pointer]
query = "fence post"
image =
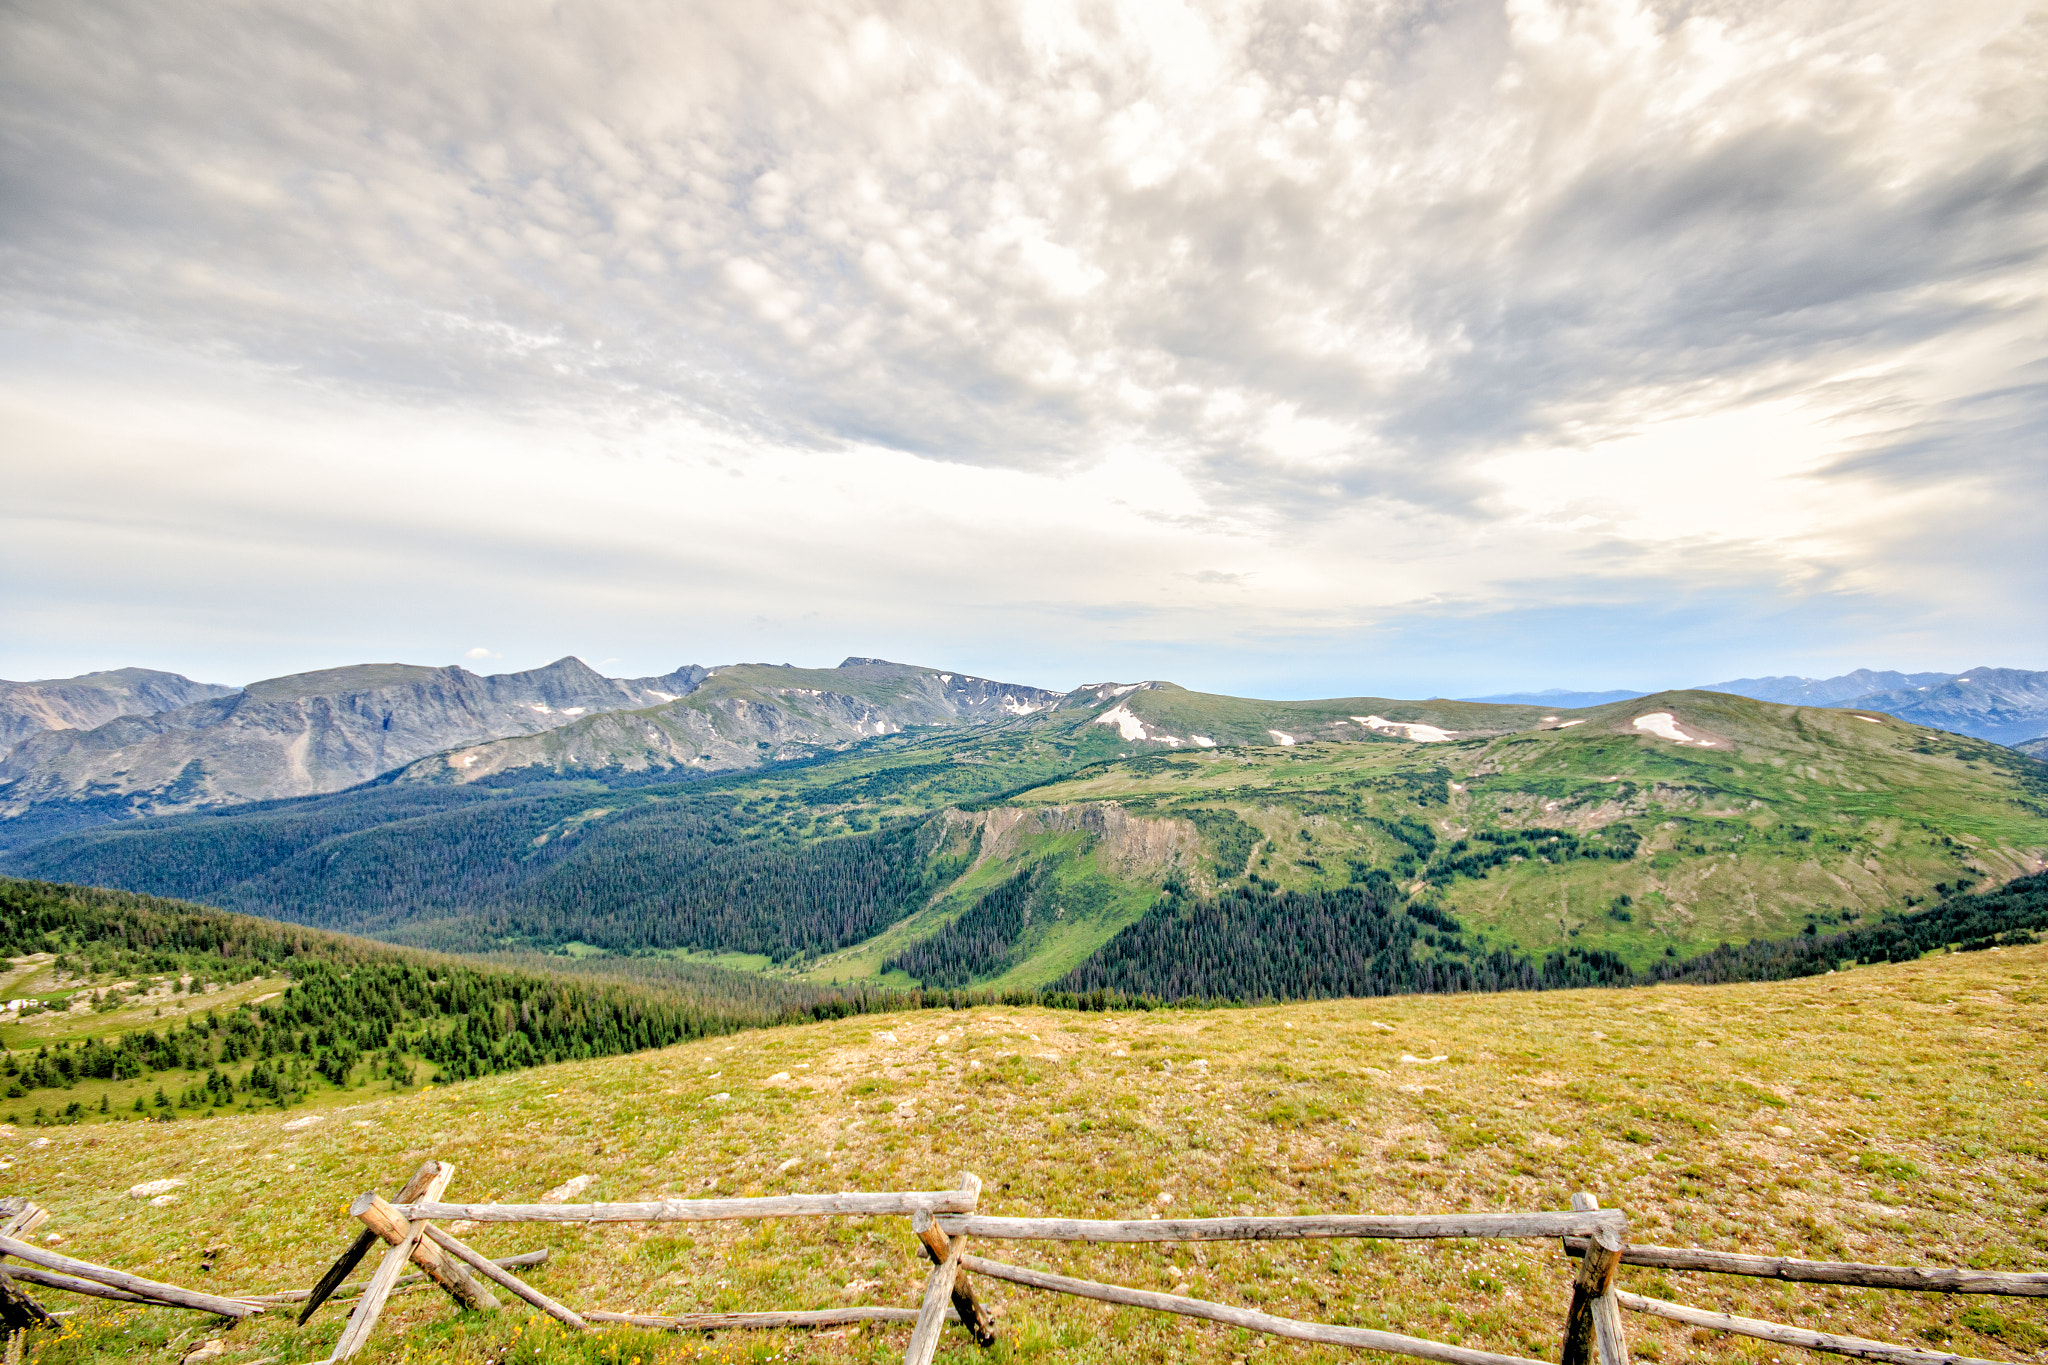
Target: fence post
[
  {"x": 360, "y": 1247},
  {"x": 364, "y": 1320},
  {"x": 931, "y": 1316},
  {"x": 1594, "y": 1320},
  {"x": 450, "y": 1274},
  {"x": 936, "y": 1246}
]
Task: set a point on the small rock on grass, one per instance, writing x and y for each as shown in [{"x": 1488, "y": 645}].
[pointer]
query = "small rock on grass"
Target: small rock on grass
[
  {"x": 568, "y": 1189},
  {"x": 148, "y": 1189}
]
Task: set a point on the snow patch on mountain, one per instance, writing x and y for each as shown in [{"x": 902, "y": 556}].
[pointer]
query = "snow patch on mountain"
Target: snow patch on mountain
[
  {"x": 1127, "y": 725},
  {"x": 1420, "y": 733},
  {"x": 1664, "y": 725}
]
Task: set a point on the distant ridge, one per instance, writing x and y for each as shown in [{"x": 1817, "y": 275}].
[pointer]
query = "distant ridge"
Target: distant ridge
[
  {"x": 1557, "y": 697},
  {"x": 93, "y": 699},
  {"x": 293, "y": 736},
  {"x": 1847, "y": 687},
  {"x": 2005, "y": 705}
]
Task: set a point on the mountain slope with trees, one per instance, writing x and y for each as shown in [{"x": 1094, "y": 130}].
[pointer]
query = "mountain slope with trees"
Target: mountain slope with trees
[
  {"x": 1640, "y": 833},
  {"x": 128, "y": 1009}
]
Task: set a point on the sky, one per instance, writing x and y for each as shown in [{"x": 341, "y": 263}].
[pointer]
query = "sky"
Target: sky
[{"x": 1284, "y": 349}]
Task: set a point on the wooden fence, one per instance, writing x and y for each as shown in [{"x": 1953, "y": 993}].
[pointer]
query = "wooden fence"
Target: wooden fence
[{"x": 945, "y": 1222}]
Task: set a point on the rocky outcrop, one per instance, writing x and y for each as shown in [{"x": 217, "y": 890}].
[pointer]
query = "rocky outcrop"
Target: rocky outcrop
[
  {"x": 744, "y": 715},
  {"x": 1133, "y": 847}
]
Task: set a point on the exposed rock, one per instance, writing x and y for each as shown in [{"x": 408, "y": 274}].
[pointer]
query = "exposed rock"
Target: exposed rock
[
  {"x": 743, "y": 715},
  {"x": 296, "y": 736},
  {"x": 149, "y": 1188},
  {"x": 568, "y": 1189}
]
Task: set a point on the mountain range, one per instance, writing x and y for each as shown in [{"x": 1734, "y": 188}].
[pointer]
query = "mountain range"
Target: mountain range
[
  {"x": 291, "y": 736},
  {"x": 1135, "y": 837},
  {"x": 82, "y": 703},
  {"x": 2005, "y": 705},
  {"x": 134, "y": 743}
]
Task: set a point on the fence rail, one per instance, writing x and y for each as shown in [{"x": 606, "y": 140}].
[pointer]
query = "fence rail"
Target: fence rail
[
  {"x": 699, "y": 1210},
  {"x": 945, "y": 1222},
  {"x": 1796, "y": 1336},
  {"x": 1927, "y": 1279},
  {"x": 1575, "y": 1224},
  {"x": 1362, "y": 1338}
]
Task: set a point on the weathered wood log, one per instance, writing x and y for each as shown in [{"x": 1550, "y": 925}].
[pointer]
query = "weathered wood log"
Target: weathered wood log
[
  {"x": 410, "y": 1280},
  {"x": 71, "y": 1284},
  {"x": 416, "y": 1188},
  {"x": 1794, "y": 1336},
  {"x": 1929, "y": 1279},
  {"x": 902, "y": 1204},
  {"x": 938, "y": 1297},
  {"x": 1276, "y": 1229},
  {"x": 509, "y": 1282},
  {"x": 134, "y": 1284},
  {"x": 1596, "y": 1276},
  {"x": 719, "y": 1322},
  {"x": 382, "y": 1281},
  {"x": 18, "y": 1312},
  {"x": 1364, "y": 1339},
  {"x": 936, "y": 1245},
  {"x": 18, "y": 1217},
  {"x": 451, "y": 1275}
]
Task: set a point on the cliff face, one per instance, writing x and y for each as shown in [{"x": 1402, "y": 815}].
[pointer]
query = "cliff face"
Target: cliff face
[
  {"x": 300, "y": 735},
  {"x": 93, "y": 699}
]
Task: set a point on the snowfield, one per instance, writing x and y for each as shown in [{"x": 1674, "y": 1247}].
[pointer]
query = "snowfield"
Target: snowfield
[
  {"x": 1421, "y": 734},
  {"x": 1664, "y": 725}
]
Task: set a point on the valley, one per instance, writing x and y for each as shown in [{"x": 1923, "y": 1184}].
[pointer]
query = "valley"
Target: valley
[{"x": 1081, "y": 844}]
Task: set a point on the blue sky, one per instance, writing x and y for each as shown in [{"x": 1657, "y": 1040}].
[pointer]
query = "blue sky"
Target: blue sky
[{"x": 1282, "y": 348}]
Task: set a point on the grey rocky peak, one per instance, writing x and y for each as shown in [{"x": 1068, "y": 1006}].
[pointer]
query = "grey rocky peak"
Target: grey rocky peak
[
  {"x": 92, "y": 699},
  {"x": 743, "y": 715},
  {"x": 295, "y": 736}
]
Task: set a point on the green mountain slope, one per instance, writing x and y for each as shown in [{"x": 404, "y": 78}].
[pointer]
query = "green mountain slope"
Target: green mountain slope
[
  {"x": 125, "y": 1006},
  {"x": 1016, "y": 851}
]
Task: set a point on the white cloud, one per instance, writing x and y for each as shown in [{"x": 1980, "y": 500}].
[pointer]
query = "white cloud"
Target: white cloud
[{"x": 1402, "y": 312}]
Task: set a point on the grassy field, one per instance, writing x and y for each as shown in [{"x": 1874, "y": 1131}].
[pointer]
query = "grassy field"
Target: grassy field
[{"x": 1890, "y": 1114}]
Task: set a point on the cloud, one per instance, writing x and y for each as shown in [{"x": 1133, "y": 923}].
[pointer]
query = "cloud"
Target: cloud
[
  {"x": 1426, "y": 304},
  {"x": 481, "y": 653}
]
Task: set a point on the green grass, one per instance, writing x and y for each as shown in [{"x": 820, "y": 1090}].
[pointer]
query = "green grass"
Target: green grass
[{"x": 1889, "y": 1114}]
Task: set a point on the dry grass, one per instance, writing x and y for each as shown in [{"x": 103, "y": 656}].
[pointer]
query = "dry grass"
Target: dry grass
[{"x": 1889, "y": 1114}]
